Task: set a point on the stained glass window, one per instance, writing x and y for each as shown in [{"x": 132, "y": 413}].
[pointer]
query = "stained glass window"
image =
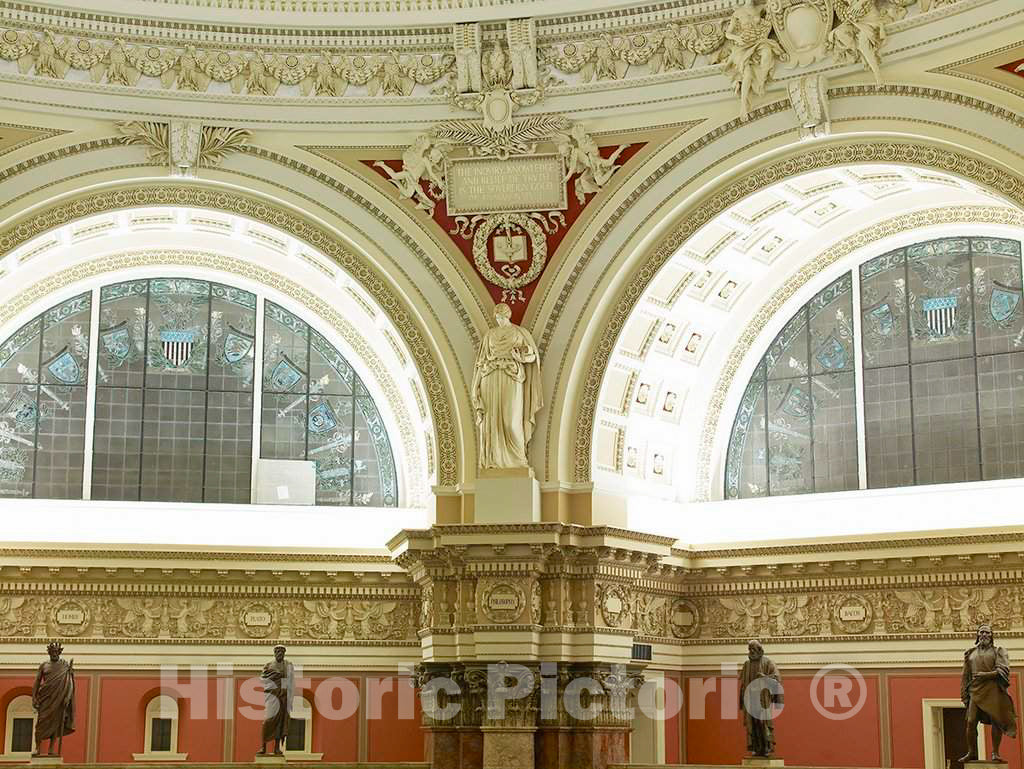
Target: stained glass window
[
  {"x": 941, "y": 372},
  {"x": 316, "y": 408},
  {"x": 174, "y": 400}
]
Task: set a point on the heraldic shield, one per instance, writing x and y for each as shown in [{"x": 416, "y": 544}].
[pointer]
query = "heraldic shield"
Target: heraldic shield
[
  {"x": 881, "y": 318},
  {"x": 802, "y": 27},
  {"x": 1003, "y": 302},
  {"x": 831, "y": 355},
  {"x": 117, "y": 341},
  {"x": 940, "y": 313},
  {"x": 237, "y": 345},
  {"x": 177, "y": 346},
  {"x": 285, "y": 375},
  {"x": 64, "y": 368}
]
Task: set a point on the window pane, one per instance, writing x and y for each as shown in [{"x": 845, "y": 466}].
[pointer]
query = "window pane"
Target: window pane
[
  {"x": 285, "y": 351},
  {"x": 330, "y": 446},
  {"x": 888, "y": 427},
  {"x": 787, "y": 355},
  {"x": 328, "y": 368},
  {"x": 941, "y": 315},
  {"x": 21, "y": 735},
  {"x": 60, "y": 457},
  {"x": 999, "y": 316},
  {"x": 122, "y": 341},
  {"x": 945, "y": 422},
  {"x": 161, "y": 734},
  {"x": 745, "y": 474},
  {"x": 229, "y": 448},
  {"x": 178, "y": 338},
  {"x": 1001, "y": 399},
  {"x": 284, "y": 427},
  {"x": 19, "y": 356},
  {"x": 232, "y": 336},
  {"x": 117, "y": 443},
  {"x": 835, "y": 431},
  {"x": 173, "y": 434},
  {"x": 376, "y": 479},
  {"x": 296, "y": 738},
  {"x": 790, "y": 464},
  {"x": 831, "y": 316},
  {"x": 883, "y": 302},
  {"x": 20, "y": 413}
]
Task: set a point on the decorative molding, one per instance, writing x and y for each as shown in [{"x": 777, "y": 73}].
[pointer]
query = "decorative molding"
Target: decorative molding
[
  {"x": 182, "y": 146},
  {"x": 624, "y": 43},
  {"x": 164, "y": 194}
]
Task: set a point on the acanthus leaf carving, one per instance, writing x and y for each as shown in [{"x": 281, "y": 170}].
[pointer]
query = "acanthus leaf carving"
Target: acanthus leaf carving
[{"x": 184, "y": 146}]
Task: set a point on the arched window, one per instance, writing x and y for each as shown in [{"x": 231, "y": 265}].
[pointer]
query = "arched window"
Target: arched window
[
  {"x": 20, "y": 727},
  {"x": 145, "y": 390},
  {"x": 909, "y": 370},
  {"x": 300, "y": 731},
  {"x": 161, "y": 731}
]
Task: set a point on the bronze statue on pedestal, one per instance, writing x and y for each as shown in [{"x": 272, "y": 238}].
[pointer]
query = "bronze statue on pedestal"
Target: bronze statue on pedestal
[
  {"x": 761, "y": 678},
  {"x": 278, "y": 686},
  {"x": 983, "y": 689},
  {"x": 53, "y": 698}
]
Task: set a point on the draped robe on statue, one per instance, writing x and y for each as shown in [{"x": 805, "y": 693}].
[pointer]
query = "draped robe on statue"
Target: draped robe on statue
[
  {"x": 506, "y": 395},
  {"x": 54, "y": 699},
  {"x": 760, "y": 731},
  {"x": 278, "y": 684},
  {"x": 988, "y": 697}
]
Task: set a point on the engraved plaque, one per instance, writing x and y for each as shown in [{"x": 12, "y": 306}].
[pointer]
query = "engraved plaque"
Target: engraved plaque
[
  {"x": 521, "y": 183},
  {"x": 852, "y": 612},
  {"x": 70, "y": 617}
]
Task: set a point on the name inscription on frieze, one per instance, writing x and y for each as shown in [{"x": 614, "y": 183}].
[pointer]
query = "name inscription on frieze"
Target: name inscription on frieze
[
  {"x": 517, "y": 184},
  {"x": 852, "y": 613}
]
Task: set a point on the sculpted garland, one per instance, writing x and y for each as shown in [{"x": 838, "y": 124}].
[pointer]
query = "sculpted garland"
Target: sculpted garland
[{"x": 496, "y": 76}]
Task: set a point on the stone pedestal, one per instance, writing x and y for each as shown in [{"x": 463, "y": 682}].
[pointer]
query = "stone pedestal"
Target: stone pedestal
[
  {"x": 982, "y": 764},
  {"x": 509, "y": 495},
  {"x": 507, "y": 747},
  {"x": 763, "y": 761},
  {"x": 269, "y": 760},
  {"x": 456, "y": 748},
  {"x": 46, "y": 761}
]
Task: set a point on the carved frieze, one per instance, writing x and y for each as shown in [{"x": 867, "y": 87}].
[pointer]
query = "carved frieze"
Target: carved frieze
[{"x": 153, "y": 617}]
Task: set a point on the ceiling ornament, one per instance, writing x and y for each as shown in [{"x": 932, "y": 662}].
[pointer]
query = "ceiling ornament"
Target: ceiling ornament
[
  {"x": 761, "y": 38},
  {"x": 809, "y": 97},
  {"x": 498, "y": 77},
  {"x": 506, "y": 195},
  {"x": 183, "y": 146}
]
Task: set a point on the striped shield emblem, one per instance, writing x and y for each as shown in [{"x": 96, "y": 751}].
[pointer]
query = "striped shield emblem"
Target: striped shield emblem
[
  {"x": 940, "y": 313},
  {"x": 177, "y": 346}
]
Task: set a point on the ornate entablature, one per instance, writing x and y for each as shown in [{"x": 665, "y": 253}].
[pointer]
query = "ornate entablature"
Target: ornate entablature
[{"x": 460, "y": 62}]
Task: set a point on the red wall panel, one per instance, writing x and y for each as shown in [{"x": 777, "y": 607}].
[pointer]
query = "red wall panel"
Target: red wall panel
[
  {"x": 907, "y": 718},
  {"x": 807, "y": 737},
  {"x": 673, "y": 718},
  {"x": 393, "y": 720},
  {"x": 712, "y": 737},
  {"x": 122, "y": 717}
]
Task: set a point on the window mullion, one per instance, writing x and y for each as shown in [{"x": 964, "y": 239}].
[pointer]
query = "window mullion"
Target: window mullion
[
  {"x": 257, "y": 393},
  {"x": 90, "y": 393},
  {"x": 858, "y": 384}
]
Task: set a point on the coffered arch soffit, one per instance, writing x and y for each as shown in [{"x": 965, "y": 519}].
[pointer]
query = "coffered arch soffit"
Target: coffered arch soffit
[
  {"x": 584, "y": 324},
  {"x": 303, "y": 246}
]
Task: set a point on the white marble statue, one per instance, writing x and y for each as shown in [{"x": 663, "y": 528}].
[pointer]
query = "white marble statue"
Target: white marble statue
[
  {"x": 752, "y": 54},
  {"x": 506, "y": 392}
]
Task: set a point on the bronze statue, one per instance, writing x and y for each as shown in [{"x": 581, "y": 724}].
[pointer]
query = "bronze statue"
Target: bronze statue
[
  {"x": 278, "y": 685},
  {"x": 983, "y": 689},
  {"x": 53, "y": 698},
  {"x": 760, "y": 673}
]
